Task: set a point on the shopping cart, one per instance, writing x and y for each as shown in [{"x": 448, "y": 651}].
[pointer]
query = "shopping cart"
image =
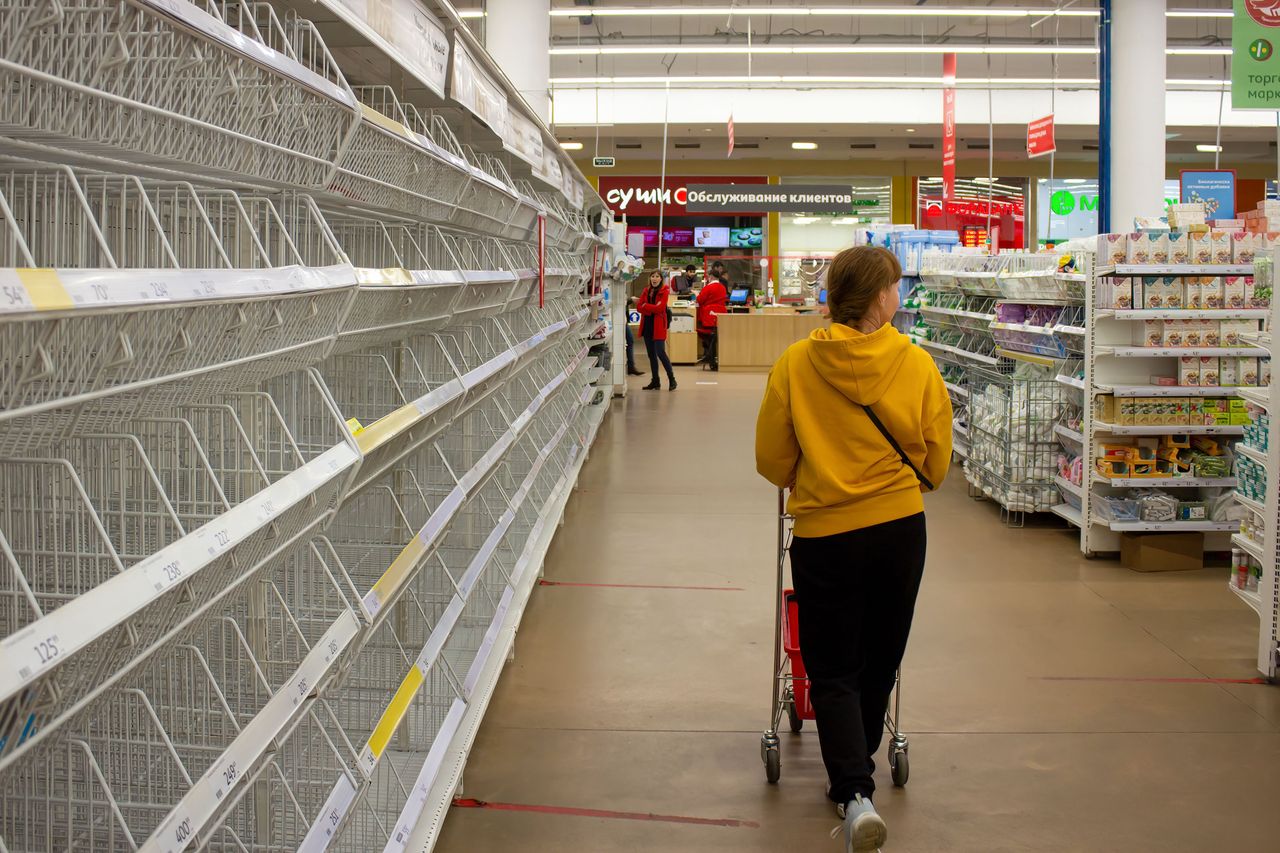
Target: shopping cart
[{"x": 790, "y": 683}]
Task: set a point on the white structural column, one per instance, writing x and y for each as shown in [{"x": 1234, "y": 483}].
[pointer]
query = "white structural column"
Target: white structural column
[
  {"x": 517, "y": 35},
  {"x": 1138, "y": 36}
]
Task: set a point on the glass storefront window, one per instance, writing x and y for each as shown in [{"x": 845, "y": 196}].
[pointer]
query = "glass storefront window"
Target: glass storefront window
[{"x": 1067, "y": 208}]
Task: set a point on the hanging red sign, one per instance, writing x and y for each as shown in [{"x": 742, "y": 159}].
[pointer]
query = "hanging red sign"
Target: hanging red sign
[
  {"x": 542, "y": 260},
  {"x": 948, "y": 126},
  {"x": 730, "y": 154},
  {"x": 1040, "y": 137}
]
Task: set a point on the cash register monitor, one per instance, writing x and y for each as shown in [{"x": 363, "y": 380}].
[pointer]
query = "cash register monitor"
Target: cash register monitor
[{"x": 738, "y": 296}]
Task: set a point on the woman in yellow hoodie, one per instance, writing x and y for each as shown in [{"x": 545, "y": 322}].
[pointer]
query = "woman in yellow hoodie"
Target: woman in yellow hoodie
[{"x": 857, "y": 423}]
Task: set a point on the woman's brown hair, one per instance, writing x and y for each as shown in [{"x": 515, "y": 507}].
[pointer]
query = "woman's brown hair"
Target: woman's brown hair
[{"x": 855, "y": 280}]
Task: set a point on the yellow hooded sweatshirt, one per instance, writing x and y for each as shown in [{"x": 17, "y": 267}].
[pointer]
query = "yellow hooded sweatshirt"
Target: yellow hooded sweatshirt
[{"x": 811, "y": 430}]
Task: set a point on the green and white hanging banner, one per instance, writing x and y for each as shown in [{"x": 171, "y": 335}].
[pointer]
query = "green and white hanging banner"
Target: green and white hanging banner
[{"x": 1255, "y": 68}]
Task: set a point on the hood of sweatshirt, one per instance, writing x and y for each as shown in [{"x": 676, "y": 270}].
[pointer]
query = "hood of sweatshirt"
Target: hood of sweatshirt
[{"x": 861, "y": 367}]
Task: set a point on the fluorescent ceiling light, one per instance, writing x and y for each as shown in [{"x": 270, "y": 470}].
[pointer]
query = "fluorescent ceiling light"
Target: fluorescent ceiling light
[
  {"x": 816, "y": 11},
  {"x": 471, "y": 13},
  {"x": 1209, "y": 149},
  {"x": 804, "y": 146},
  {"x": 804, "y": 220},
  {"x": 571, "y": 146},
  {"x": 811, "y": 50},
  {"x": 1075, "y": 180},
  {"x": 802, "y": 79},
  {"x": 853, "y": 11}
]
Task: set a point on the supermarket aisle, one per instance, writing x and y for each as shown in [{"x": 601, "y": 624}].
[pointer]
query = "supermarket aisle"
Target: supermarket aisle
[{"x": 1054, "y": 704}]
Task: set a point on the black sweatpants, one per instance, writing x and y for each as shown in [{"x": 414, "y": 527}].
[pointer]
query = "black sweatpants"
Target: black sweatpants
[
  {"x": 856, "y": 593},
  {"x": 658, "y": 350}
]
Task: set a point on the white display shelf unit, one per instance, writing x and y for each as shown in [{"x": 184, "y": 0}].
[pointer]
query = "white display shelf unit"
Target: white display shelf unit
[
  {"x": 271, "y": 613},
  {"x": 1265, "y": 601},
  {"x": 1114, "y": 365}
]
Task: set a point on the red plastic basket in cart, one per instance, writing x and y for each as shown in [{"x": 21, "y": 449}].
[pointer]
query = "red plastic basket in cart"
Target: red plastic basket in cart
[{"x": 799, "y": 708}]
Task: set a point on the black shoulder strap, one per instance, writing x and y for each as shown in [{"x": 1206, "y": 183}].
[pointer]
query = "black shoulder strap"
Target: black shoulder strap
[{"x": 906, "y": 460}]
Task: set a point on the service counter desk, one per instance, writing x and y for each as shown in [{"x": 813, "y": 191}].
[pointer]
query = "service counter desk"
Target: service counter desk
[{"x": 753, "y": 342}]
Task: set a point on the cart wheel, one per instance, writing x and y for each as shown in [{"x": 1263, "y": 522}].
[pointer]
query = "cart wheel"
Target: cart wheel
[
  {"x": 793, "y": 716},
  {"x": 772, "y": 765},
  {"x": 899, "y": 768}
]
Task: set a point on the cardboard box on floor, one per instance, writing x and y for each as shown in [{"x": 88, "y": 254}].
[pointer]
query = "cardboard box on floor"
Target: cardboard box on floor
[{"x": 1162, "y": 552}]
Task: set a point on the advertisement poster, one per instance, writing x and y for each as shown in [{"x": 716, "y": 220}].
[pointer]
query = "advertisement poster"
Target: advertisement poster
[
  {"x": 1216, "y": 188},
  {"x": 1255, "y": 72},
  {"x": 948, "y": 126}
]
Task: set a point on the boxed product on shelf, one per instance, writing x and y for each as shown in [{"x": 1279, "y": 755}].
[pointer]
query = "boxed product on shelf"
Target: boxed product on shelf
[
  {"x": 1233, "y": 291},
  {"x": 1221, "y": 244},
  {"x": 1157, "y": 506},
  {"x": 1179, "y": 247},
  {"x": 1140, "y": 246},
  {"x": 1247, "y": 371},
  {"x": 1188, "y": 370},
  {"x": 1244, "y": 246},
  {"x": 1211, "y": 292},
  {"x": 1192, "y": 292},
  {"x": 1233, "y": 332},
  {"x": 1193, "y": 332},
  {"x": 1228, "y": 372},
  {"x": 1211, "y": 333},
  {"x": 1193, "y": 511},
  {"x": 1264, "y": 372},
  {"x": 1210, "y": 372},
  {"x": 1111, "y": 508},
  {"x": 1172, "y": 333},
  {"x": 1113, "y": 249},
  {"x": 1200, "y": 247},
  {"x": 1118, "y": 293}
]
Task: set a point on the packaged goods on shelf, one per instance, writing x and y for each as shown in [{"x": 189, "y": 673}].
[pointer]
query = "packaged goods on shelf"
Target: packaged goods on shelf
[
  {"x": 1013, "y": 448},
  {"x": 1157, "y": 506},
  {"x": 1246, "y": 572}
]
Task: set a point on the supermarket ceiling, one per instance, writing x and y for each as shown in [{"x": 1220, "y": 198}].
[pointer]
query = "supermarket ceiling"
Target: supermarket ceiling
[{"x": 870, "y": 69}]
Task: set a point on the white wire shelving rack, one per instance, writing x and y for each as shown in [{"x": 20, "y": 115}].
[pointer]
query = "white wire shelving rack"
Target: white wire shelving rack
[
  {"x": 290, "y": 405},
  {"x": 1000, "y": 357}
]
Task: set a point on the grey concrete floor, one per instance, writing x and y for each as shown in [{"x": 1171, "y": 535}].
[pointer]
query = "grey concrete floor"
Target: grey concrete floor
[{"x": 1028, "y": 689}]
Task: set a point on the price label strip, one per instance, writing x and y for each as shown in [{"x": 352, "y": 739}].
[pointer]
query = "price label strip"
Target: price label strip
[
  {"x": 28, "y": 653},
  {"x": 194, "y": 811},
  {"x": 421, "y": 791},
  {"x": 325, "y": 827},
  {"x": 26, "y": 290}
]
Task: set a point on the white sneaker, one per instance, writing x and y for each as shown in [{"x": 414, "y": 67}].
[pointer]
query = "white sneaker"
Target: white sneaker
[{"x": 864, "y": 830}]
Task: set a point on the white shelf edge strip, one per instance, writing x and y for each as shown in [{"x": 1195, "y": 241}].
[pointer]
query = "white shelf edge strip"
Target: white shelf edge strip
[
  {"x": 442, "y": 787},
  {"x": 201, "y": 803},
  {"x": 1254, "y": 548},
  {"x": 1178, "y": 352}
]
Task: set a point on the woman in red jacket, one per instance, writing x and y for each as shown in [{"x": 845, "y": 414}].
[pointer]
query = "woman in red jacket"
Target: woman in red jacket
[
  {"x": 711, "y": 304},
  {"x": 653, "y": 327}
]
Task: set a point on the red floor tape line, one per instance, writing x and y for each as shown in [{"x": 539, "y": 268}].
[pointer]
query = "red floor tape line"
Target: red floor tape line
[
  {"x": 641, "y": 586},
  {"x": 464, "y": 803},
  {"x": 1122, "y": 678}
]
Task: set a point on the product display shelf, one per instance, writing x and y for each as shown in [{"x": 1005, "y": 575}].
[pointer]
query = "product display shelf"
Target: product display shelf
[
  {"x": 1070, "y": 514},
  {"x": 298, "y": 433},
  {"x": 1262, "y": 518},
  {"x": 1119, "y": 368}
]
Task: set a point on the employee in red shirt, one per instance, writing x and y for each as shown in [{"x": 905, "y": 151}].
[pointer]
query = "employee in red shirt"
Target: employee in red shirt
[
  {"x": 712, "y": 302},
  {"x": 652, "y": 306}
]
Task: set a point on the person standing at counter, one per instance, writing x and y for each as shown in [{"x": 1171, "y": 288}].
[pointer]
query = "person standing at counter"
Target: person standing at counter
[
  {"x": 712, "y": 302},
  {"x": 653, "y": 327},
  {"x": 684, "y": 284}
]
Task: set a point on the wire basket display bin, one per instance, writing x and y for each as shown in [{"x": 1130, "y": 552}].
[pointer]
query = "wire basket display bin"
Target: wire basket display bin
[
  {"x": 790, "y": 682},
  {"x": 1013, "y": 450}
]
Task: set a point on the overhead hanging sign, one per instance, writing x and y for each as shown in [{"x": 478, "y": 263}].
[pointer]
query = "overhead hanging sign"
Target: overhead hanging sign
[
  {"x": 523, "y": 137},
  {"x": 1255, "y": 71},
  {"x": 730, "y": 154},
  {"x": 1214, "y": 188},
  {"x": 948, "y": 126},
  {"x": 640, "y": 195},
  {"x": 1040, "y": 137},
  {"x": 789, "y": 198},
  {"x": 420, "y": 42},
  {"x": 476, "y": 90}
]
